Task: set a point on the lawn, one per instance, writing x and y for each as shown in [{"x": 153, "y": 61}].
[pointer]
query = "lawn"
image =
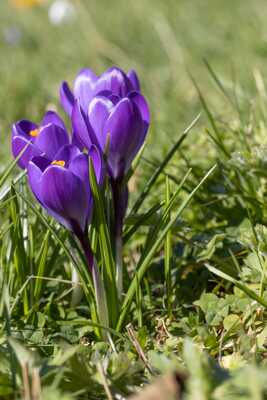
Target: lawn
[{"x": 194, "y": 299}]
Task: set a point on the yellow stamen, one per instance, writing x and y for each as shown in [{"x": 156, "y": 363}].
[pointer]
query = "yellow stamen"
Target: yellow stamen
[
  {"x": 35, "y": 132},
  {"x": 61, "y": 163}
]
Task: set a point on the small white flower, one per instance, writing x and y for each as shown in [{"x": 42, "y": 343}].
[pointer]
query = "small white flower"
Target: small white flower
[{"x": 61, "y": 11}]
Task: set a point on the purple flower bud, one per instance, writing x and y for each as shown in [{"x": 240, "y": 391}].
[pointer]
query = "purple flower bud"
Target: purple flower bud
[
  {"x": 87, "y": 85},
  {"x": 62, "y": 185},
  {"x": 117, "y": 127},
  {"x": 83, "y": 91},
  {"x": 132, "y": 75},
  {"x": 113, "y": 80},
  {"x": 44, "y": 139}
]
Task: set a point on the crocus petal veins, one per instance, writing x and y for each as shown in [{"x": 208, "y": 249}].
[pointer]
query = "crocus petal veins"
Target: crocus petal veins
[{"x": 61, "y": 163}]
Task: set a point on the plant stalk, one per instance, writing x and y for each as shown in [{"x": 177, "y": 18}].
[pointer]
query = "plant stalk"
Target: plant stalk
[
  {"x": 120, "y": 201},
  {"x": 100, "y": 294},
  {"x": 119, "y": 264}
]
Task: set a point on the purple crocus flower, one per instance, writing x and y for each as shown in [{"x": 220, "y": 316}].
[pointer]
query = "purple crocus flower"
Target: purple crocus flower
[
  {"x": 110, "y": 112},
  {"x": 118, "y": 126},
  {"x": 61, "y": 186},
  {"x": 87, "y": 85},
  {"x": 43, "y": 139}
]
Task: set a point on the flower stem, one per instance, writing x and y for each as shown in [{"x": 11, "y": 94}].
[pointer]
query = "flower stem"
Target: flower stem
[
  {"x": 119, "y": 264},
  {"x": 101, "y": 301},
  {"x": 100, "y": 294},
  {"x": 77, "y": 290},
  {"x": 120, "y": 200}
]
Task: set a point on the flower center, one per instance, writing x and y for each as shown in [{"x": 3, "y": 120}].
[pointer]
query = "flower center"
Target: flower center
[
  {"x": 34, "y": 132},
  {"x": 61, "y": 163}
]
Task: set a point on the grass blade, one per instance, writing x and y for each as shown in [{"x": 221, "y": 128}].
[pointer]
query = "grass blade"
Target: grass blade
[
  {"x": 219, "y": 83},
  {"x": 141, "y": 221},
  {"x": 152, "y": 237},
  {"x": 11, "y": 166},
  {"x": 211, "y": 119},
  {"x": 44, "y": 221},
  {"x": 161, "y": 167},
  {"x": 250, "y": 293},
  {"x": 146, "y": 261},
  {"x": 105, "y": 245},
  {"x": 167, "y": 252}
]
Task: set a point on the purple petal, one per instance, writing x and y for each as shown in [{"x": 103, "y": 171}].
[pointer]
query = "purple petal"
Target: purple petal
[
  {"x": 75, "y": 141},
  {"x": 81, "y": 126},
  {"x": 18, "y": 143},
  {"x": 114, "y": 80},
  {"x": 41, "y": 162},
  {"x": 99, "y": 111},
  {"x": 67, "y": 154},
  {"x": 114, "y": 98},
  {"x": 52, "y": 117},
  {"x": 35, "y": 171},
  {"x": 104, "y": 93},
  {"x": 66, "y": 98},
  {"x": 125, "y": 126},
  {"x": 109, "y": 95},
  {"x": 98, "y": 163},
  {"x": 36, "y": 168},
  {"x": 50, "y": 139},
  {"x": 80, "y": 167},
  {"x": 23, "y": 128},
  {"x": 83, "y": 87},
  {"x": 132, "y": 75},
  {"x": 141, "y": 103},
  {"x": 65, "y": 194}
]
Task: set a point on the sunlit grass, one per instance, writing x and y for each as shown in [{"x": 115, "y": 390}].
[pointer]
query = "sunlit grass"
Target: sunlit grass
[{"x": 195, "y": 236}]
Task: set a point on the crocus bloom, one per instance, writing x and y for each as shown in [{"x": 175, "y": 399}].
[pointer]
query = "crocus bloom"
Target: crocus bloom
[
  {"x": 110, "y": 112},
  {"x": 118, "y": 127},
  {"x": 62, "y": 185},
  {"x": 44, "y": 139},
  {"x": 87, "y": 85},
  {"x": 115, "y": 125}
]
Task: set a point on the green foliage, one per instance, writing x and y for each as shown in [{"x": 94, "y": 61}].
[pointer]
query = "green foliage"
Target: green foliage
[{"x": 195, "y": 236}]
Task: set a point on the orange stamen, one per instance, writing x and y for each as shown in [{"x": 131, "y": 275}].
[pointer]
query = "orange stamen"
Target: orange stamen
[
  {"x": 61, "y": 163},
  {"x": 35, "y": 132}
]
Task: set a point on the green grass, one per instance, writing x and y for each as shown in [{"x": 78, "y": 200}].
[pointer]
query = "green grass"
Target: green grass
[{"x": 196, "y": 284}]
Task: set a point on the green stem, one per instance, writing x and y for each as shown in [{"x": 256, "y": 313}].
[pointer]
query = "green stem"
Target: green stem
[
  {"x": 120, "y": 200},
  {"x": 100, "y": 294},
  {"x": 119, "y": 264},
  {"x": 101, "y": 301}
]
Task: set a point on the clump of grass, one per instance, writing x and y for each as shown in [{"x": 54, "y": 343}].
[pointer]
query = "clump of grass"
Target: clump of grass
[
  {"x": 195, "y": 246},
  {"x": 206, "y": 281}
]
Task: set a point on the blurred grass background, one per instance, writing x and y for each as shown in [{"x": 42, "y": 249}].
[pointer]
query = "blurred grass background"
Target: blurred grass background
[{"x": 163, "y": 40}]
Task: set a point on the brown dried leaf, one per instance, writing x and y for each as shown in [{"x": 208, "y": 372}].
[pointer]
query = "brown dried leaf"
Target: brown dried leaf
[{"x": 167, "y": 387}]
